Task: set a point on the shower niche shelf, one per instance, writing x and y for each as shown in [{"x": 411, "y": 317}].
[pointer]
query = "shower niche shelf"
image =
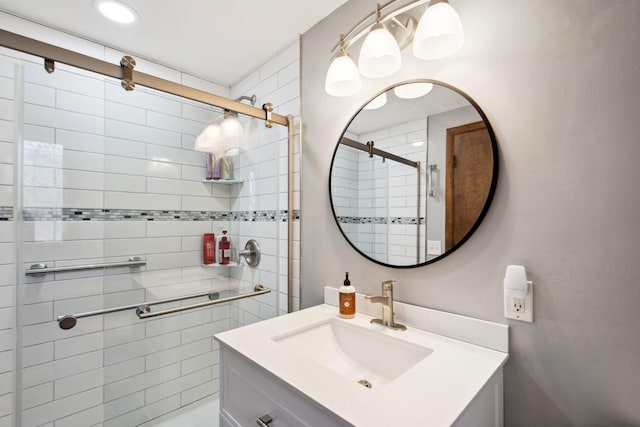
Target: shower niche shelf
[
  {"x": 223, "y": 181},
  {"x": 216, "y": 265}
]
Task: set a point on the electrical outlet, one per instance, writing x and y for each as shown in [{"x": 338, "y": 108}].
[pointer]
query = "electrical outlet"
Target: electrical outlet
[
  {"x": 434, "y": 247},
  {"x": 517, "y": 305},
  {"x": 519, "y": 308}
]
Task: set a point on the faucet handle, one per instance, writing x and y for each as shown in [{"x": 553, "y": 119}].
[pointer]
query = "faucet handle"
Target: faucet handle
[{"x": 387, "y": 285}]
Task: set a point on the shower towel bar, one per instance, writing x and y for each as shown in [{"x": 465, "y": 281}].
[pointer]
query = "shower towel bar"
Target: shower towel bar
[
  {"x": 68, "y": 321},
  {"x": 38, "y": 269},
  {"x": 144, "y": 312}
]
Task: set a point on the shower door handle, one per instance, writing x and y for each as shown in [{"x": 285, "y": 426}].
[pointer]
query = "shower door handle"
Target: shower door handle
[
  {"x": 264, "y": 421},
  {"x": 432, "y": 181}
]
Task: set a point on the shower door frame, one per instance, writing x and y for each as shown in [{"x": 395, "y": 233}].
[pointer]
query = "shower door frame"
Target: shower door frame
[{"x": 52, "y": 54}]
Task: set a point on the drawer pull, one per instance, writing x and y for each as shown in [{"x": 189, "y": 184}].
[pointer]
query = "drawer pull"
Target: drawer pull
[{"x": 264, "y": 421}]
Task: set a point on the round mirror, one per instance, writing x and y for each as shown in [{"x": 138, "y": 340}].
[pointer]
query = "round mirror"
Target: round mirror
[{"x": 413, "y": 174}]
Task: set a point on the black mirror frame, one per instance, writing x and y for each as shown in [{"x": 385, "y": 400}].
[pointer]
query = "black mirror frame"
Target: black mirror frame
[{"x": 492, "y": 188}]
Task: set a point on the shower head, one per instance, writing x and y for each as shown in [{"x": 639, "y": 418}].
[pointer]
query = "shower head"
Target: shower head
[{"x": 251, "y": 99}]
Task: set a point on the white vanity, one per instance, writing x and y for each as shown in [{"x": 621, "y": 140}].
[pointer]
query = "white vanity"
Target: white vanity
[{"x": 313, "y": 368}]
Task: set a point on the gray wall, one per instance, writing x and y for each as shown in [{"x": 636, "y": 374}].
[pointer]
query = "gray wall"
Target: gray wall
[{"x": 559, "y": 82}]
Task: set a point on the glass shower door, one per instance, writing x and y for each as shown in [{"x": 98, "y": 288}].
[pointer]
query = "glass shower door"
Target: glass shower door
[{"x": 110, "y": 177}]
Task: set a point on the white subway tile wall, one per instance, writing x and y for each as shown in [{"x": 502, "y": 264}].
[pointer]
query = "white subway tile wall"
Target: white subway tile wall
[
  {"x": 264, "y": 164},
  {"x": 378, "y": 200},
  {"x": 110, "y": 174},
  {"x": 7, "y": 275}
]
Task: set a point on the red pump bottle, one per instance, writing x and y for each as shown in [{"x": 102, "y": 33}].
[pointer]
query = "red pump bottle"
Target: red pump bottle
[{"x": 225, "y": 249}]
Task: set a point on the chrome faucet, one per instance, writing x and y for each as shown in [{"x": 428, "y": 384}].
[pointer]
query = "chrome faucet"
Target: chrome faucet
[{"x": 386, "y": 299}]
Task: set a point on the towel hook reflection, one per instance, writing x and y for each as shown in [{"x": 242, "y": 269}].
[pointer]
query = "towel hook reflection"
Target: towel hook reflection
[{"x": 433, "y": 173}]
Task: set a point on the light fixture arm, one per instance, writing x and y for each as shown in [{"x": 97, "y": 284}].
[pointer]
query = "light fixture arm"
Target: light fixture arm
[
  {"x": 342, "y": 50},
  {"x": 437, "y": 34},
  {"x": 358, "y": 31},
  {"x": 364, "y": 21}
]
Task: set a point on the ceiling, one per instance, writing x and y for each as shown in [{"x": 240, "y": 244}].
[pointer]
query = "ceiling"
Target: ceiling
[{"x": 220, "y": 41}]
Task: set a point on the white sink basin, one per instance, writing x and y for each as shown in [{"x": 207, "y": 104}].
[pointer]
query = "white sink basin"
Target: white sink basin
[
  {"x": 359, "y": 354},
  {"x": 418, "y": 377}
]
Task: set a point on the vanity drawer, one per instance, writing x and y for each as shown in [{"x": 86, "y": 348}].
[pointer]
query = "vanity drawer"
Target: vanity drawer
[{"x": 249, "y": 392}]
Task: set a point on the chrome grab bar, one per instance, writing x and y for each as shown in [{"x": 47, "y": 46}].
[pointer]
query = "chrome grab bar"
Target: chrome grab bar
[
  {"x": 38, "y": 269},
  {"x": 68, "y": 321},
  {"x": 144, "y": 312}
]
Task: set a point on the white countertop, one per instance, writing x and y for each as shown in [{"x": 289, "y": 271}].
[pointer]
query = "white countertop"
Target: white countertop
[{"x": 433, "y": 392}]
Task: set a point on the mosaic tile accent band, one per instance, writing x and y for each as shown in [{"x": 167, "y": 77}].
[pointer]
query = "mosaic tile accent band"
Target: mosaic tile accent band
[
  {"x": 6, "y": 213},
  {"x": 378, "y": 220},
  {"x": 78, "y": 214}
]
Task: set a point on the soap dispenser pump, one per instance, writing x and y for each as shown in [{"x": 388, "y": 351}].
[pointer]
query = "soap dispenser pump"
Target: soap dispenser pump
[{"x": 347, "y": 299}]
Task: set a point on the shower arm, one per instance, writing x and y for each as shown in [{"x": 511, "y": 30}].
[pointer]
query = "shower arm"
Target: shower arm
[{"x": 251, "y": 99}]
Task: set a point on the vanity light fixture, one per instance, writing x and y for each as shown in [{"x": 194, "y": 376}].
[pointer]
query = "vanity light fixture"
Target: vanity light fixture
[
  {"x": 343, "y": 78},
  {"x": 230, "y": 129},
  {"x": 116, "y": 11},
  {"x": 412, "y": 90},
  {"x": 208, "y": 139},
  {"x": 438, "y": 34},
  {"x": 377, "y": 102},
  {"x": 223, "y": 137},
  {"x": 380, "y": 53}
]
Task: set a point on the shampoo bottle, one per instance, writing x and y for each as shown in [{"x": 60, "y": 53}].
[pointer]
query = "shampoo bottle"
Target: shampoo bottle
[
  {"x": 225, "y": 248},
  {"x": 208, "y": 248},
  {"x": 209, "y": 166},
  {"x": 347, "y": 299},
  {"x": 226, "y": 168}
]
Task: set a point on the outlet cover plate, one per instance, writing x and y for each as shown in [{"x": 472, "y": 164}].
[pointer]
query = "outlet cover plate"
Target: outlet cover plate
[
  {"x": 514, "y": 309},
  {"x": 434, "y": 247}
]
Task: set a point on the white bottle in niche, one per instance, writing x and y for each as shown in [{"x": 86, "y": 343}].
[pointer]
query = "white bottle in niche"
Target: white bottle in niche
[
  {"x": 347, "y": 299},
  {"x": 226, "y": 168}
]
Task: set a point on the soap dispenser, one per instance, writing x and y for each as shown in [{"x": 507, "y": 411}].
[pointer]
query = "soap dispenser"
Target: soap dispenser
[{"x": 347, "y": 299}]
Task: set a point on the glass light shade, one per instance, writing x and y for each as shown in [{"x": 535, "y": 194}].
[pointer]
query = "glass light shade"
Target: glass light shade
[
  {"x": 208, "y": 140},
  {"x": 377, "y": 102},
  {"x": 379, "y": 54},
  {"x": 439, "y": 32},
  {"x": 412, "y": 90},
  {"x": 230, "y": 127},
  {"x": 230, "y": 131},
  {"x": 251, "y": 129},
  {"x": 343, "y": 78},
  {"x": 211, "y": 132}
]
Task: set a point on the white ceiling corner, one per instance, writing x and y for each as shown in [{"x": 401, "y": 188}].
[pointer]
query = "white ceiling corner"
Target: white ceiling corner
[{"x": 220, "y": 41}]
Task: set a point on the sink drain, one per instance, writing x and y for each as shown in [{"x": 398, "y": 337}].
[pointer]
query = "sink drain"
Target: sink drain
[{"x": 365, "y": 383}]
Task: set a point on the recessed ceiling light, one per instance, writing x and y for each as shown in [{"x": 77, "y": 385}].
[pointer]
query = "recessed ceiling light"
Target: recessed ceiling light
[
  {"x": 116, "y": 11},
  {"x": 418, "y": 143}
]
